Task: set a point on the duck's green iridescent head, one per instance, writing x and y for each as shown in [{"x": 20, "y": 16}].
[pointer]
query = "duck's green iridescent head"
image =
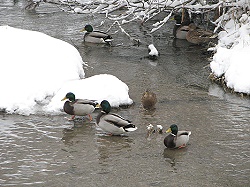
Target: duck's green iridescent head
[
  {"x": 173, "y": 129},
  {"x": 88, "y": 28},
  {"x": 105, "y": 106},
  {"x": 69, "y": 96},
  {"x": 177, "y": 18}
]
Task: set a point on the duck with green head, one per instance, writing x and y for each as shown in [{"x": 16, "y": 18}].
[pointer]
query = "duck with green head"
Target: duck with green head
[
  {"x": 177, "y": 139},
  {"x": 98, "y": 37},
  {"x": 181, "y": 25},
  {"x": 113, "y": 123},
  {"x": 78, "y": 107}
]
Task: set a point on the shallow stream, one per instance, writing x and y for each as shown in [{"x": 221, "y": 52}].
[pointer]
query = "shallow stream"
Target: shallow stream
[{"x": 42, "y": 150}]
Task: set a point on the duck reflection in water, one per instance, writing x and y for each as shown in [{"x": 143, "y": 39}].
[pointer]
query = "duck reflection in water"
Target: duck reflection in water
[
  {"x": 110, "y": 147},
  {"x": 74, "y": 133},
  {"x": 173, "y": 155}
]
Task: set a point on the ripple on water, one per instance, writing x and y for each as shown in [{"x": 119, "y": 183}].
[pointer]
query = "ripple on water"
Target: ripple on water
[{"x": 24, "y": 152}]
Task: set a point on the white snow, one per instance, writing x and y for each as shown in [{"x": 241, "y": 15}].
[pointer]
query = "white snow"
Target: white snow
[
  {"x": 36, "y": 69},
  {"x": 233, "y": 54},
  {"x": 152, "y": 50},
  {"x": 98, "y": 87}
]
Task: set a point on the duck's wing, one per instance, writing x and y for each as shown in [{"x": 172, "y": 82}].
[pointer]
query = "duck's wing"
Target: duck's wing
[
  {"x": 116, "y": 120},
  {"x": 184, "y": 28},
  {"x": 98, "y": 34},
  {"x": 203, "y": 33},
  {"x": 182, "y": 138},
  {"x": 86, "y": 101},
  {"x": 183, "y": 133}
]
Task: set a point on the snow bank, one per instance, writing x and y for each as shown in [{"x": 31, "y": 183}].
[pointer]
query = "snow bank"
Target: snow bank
[
  {"x": 233, "y": 54},
  {"x": 35, "y": 67},
  {"x": 98, "y": 87}
]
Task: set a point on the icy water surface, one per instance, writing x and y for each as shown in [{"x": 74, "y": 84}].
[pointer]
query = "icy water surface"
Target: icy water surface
[{"x": 41, "y": 150}]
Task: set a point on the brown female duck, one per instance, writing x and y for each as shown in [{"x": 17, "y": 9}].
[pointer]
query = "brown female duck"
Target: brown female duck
[
  {"x": 199, "y": 36},
  {"x": 148, "y": 100}
]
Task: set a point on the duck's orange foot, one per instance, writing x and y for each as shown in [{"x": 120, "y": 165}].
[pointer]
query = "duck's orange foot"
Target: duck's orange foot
[
  {"x": 109, "y": 134},
  {"x": 70, "y": 119},
  {"x": 90, "y": 117},
  {"x": 182, "y": 146}
]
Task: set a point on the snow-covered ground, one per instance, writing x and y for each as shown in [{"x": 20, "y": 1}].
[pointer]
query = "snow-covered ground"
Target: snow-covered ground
[
  {"x": 38, "y": 70},
  {"x": 232, "y": 58}
]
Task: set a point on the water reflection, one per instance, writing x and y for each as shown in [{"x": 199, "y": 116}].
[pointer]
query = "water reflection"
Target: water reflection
[
  {"x": 79, "y": 128},
  {"x": 112, "y": 147},
  {"x": 173, "y": 156}
]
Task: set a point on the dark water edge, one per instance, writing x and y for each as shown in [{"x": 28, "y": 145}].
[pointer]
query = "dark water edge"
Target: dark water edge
[{"x": 44, "y": 150}]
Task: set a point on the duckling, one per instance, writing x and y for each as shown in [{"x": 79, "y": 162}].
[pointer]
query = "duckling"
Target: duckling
[
  {"x": 92, "y": 36},
  {"x": 113, "y": 123},
  {"x": 177, "y": 139},
  {"x": 148, "y": 100},
  {"x": 78, "y": 107},
  {"x": 198, "y": 36}
]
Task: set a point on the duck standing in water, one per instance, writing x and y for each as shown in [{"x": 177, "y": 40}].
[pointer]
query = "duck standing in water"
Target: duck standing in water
[
  {"x": 113, "y": 123},
  {"x": 177, "y": 139},
  {"x": 78, "y": 107},
  {"x": 97, "y": 37}
]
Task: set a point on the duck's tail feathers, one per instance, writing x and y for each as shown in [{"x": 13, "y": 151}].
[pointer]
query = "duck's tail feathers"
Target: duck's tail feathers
[
  {"x": 214, "y": 36},
  {"x": 108, "y": 39},
  {"x": 130, "y": 128},
  {"x": 188, "y": 133}
]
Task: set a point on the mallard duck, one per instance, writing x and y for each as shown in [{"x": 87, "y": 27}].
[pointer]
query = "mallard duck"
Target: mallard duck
[
  {"x": 92, "y": 36},
  {"x": 181, "y": 25},
  {"x": 199, "y": 36},
  {"x": 113, "y": 123},
  {"x": 177, "y": 139},
  {"x": 78, "y": 107},
  {"x": 148, "y": 100}
]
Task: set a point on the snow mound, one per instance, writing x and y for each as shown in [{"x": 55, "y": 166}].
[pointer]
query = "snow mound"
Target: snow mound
[{"x": 33, "y": 67}]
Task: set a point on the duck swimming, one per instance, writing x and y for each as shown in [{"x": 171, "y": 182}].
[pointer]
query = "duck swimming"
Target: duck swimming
[
  {"x": 148, "y": 100},
  {"x": 113, "y": 123},
  {"x": 199, "y": 36},
  {"x": 181, "y": 28},
  {"x": 177, "y": 139},
  {"x": 181, "y": 25},
  {"x": 98, "y": 37}
]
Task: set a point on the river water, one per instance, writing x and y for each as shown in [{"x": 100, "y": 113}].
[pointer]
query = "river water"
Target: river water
[{"x": 42, "y": 150}]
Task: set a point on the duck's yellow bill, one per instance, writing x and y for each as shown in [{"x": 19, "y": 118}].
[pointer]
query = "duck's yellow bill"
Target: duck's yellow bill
[
  {"x": 82, "y": 30},
  {"x": 98, "y": 106},
  {"x": 64, "y": 98},
  {"x": 169, "y": 130}
]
